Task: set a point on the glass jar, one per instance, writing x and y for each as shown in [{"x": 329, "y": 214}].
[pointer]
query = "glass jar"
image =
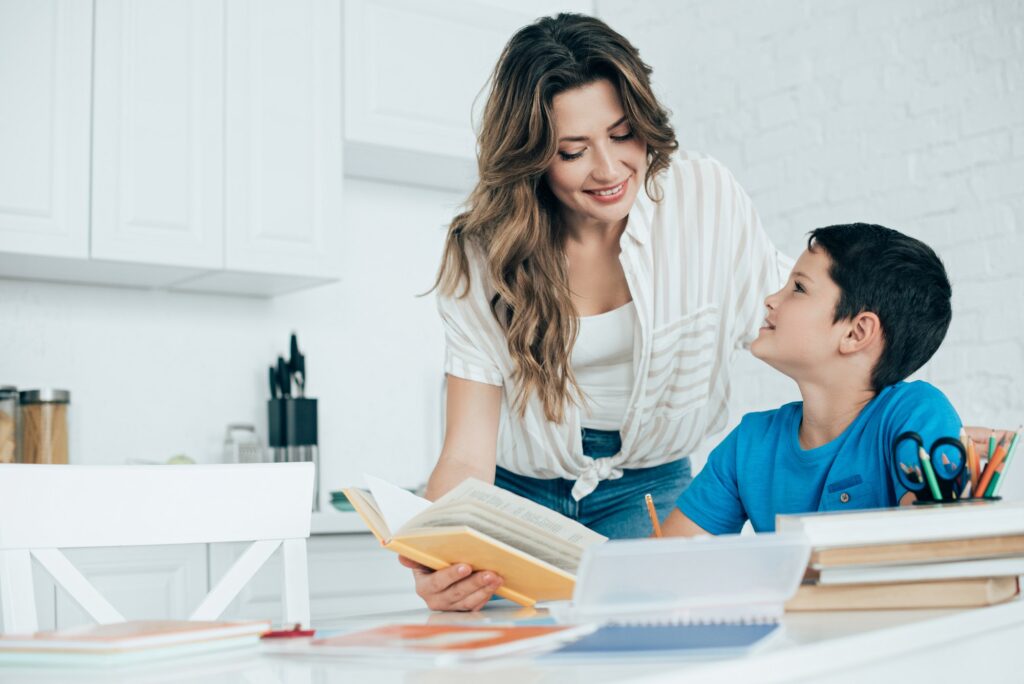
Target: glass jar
[
  {"x": 8, "y": 424},
  {"x": 44, "y": 426}
]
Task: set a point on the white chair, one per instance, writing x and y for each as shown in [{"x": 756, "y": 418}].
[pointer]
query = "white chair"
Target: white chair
[{"x": 44, "y": 508}]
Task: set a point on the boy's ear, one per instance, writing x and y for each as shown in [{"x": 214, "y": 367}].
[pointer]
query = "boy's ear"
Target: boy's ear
[{"x": 865, "y": 330}]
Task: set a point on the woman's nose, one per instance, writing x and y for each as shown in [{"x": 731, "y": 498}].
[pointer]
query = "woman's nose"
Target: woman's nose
[{"x": 604, "y": 164}]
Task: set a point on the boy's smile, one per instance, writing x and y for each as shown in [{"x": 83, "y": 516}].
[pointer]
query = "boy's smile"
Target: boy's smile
[{"x": 799, "y": 331}]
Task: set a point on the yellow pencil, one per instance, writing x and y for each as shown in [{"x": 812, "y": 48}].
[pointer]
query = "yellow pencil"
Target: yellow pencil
[{"x": 654, "y": 515}]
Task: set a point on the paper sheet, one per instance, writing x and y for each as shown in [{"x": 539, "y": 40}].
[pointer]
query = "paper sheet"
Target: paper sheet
[{"x": 396, "y": 504}]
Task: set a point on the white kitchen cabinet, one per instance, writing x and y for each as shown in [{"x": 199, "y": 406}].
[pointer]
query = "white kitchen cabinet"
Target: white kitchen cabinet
[
  {"x": 192, "y": 145},
  {"x": 415, "y": 77},
  {"x": 158, "y": 133},
  {"x": 349, "y": 574},
  {"x": 140, "y": 582},
  {"x": 284, "y": 137},
  {"x": 45, "y": 63}
]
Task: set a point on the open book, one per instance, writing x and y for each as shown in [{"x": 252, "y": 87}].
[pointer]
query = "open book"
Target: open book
[{"x": 534, "y": 549}]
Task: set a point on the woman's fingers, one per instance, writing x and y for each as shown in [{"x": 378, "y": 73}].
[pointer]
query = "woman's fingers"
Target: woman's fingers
[
  {"x": 456, "y": 587},
  {"x": 410, "y": 563}
]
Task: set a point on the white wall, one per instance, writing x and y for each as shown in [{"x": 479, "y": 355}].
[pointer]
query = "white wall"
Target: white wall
[
  {"x": 909, "y": 114},
  {"x": 154, "y": 374}
]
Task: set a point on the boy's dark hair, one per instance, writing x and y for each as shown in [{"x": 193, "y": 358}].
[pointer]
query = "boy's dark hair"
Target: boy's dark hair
[{"x": 899, "y": 279}]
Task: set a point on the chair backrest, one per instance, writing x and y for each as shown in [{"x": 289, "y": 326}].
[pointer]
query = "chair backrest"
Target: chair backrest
[{"x": 45, "y": 508}]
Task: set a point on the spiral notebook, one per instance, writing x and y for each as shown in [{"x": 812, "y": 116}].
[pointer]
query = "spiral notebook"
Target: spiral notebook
[{"x": 700, "y": 597}]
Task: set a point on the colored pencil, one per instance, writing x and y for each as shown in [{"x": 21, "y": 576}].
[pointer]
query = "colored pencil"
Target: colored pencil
[
  {"x": 654, "y": 515},
  {"x": 929, "y": 474},
  {"x": 993, "y": 463},
  {"x": 997, "y": 479},
  {"x": 973, "y": 462}
]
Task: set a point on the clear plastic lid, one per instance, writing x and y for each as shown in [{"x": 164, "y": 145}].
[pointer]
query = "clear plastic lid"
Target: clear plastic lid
[{"x": 731, "y": 576}]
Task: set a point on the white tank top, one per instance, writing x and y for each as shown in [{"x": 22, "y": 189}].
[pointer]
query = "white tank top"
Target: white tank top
[{"x": 602, "y": 360}]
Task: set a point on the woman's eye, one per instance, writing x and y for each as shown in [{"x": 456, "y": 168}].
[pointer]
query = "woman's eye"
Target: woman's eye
[
  {"x": 624, "y": 137},
  {"x": 569, "y": 156}
]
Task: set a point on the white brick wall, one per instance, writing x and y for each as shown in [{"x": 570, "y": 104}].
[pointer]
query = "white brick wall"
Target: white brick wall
[{"x": 905, "y": 113}]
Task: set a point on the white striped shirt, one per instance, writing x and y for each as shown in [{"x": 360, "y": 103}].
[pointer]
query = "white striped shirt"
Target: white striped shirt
[{"x": 699, "y": 266}]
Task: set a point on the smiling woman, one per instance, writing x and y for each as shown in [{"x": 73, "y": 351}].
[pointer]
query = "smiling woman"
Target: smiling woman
[{"x": 592, "y": 293}]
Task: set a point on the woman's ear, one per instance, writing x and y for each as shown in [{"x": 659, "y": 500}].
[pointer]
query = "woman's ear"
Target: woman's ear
[{"x": 865, "y": 330}]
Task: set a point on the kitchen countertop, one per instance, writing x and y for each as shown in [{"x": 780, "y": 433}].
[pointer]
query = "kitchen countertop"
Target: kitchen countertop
[{"x": 331, "y": 521}]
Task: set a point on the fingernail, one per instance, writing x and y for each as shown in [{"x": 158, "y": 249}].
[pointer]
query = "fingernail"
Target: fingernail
[
  {"x": 487, "y": 577},
  {"x": 463, "y": 570}
]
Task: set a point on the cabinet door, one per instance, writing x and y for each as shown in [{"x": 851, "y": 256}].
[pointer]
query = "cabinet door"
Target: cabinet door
[
  {"x": 349, "y": 574},
  {"x": 158, "y": 582},
  {"x": 45, "y": 63},
  {"x": 415, "y": 74},
  {"x": 284, "y": 134},
  {"x": 158, "y": 132}
]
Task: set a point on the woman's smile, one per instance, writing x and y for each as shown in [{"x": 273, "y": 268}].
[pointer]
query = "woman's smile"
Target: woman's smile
[{"x": 610, "y": 194}]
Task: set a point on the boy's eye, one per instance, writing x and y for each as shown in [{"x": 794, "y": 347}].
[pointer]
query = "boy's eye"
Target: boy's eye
[
  {"x": 569, "y": 156},
  {"x": 797, "y": 287}
]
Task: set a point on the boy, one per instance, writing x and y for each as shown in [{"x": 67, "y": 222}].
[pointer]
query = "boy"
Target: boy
[{"x": 864, "y": 307}]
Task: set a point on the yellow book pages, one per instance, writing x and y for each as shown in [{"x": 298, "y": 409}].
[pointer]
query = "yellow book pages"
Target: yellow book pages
[
  {"x": 526, "y": 580},
  {"x": 962, "y": 593},
  {"x": 919, "y": 552}
]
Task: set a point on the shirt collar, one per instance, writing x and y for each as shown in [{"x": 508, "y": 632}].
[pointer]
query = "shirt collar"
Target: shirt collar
[{"x": 638, "y": 222}]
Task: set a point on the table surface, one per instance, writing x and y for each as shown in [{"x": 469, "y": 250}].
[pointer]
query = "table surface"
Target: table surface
[{"x": 850, "y": 646}]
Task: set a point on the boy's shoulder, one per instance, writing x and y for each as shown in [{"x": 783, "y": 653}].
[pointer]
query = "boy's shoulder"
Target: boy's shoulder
[
  {"x": 915, "y": 394},
  {"x": 756, "y": 424}
]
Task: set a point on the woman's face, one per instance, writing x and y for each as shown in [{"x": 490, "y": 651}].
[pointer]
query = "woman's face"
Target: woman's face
[{"x": 600, "y": 164}]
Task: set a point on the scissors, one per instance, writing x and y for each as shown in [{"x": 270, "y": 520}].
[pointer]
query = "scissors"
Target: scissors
[{"x": 934, "y": 475}]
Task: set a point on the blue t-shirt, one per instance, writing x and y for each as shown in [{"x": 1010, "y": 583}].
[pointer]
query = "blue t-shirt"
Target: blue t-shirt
[{"x": 760, "y": 470}]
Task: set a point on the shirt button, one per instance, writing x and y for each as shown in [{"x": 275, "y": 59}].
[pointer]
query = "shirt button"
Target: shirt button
[{"x": 844, "y": 497}]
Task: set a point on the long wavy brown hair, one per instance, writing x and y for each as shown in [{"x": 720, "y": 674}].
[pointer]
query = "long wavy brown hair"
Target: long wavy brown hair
[{"x": 511, "y": 215}]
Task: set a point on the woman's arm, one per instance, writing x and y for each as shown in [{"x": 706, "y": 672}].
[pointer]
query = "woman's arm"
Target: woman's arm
[
  {"x": 470, "y": 436},
  {"x": 470, "y": 450}
]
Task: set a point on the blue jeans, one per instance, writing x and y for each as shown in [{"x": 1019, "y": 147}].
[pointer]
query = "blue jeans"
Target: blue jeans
[{"x": 616, "y": 508}]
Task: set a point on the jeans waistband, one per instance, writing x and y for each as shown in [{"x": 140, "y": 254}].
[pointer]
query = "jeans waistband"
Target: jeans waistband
[{"x": 601, "y": 443}]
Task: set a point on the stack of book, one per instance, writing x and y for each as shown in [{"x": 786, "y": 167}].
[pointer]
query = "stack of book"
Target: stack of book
[
  {"x": 939, "y": 556},
  {"x": 121, "y": 643}
]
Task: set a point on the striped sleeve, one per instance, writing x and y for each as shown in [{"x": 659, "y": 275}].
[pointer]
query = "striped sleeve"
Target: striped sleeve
[
  {"x": 468, "y": 352},
  {"x": 760, "y": 268}
]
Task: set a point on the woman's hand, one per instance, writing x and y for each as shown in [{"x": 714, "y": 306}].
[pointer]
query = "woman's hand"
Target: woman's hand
[
  {"x": 456, "y": 587},
  {"x": 980, "y": 435}
]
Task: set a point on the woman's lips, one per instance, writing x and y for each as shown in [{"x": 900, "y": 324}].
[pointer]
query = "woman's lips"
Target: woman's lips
[{"x": 610, "y": 194}]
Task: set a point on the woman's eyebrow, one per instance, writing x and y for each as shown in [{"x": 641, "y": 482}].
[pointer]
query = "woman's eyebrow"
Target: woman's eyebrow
[
  {"x": 583, "y": 138},
  {"x": 801, "y": 274}
]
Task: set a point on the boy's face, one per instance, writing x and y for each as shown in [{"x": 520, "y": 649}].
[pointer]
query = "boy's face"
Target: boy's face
[{"x": 798, "y": 336}]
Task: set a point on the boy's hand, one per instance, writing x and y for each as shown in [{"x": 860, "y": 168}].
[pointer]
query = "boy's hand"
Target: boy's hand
[
  {"x": 980, "y": 436},
  {"x": 456, "y": 587}
]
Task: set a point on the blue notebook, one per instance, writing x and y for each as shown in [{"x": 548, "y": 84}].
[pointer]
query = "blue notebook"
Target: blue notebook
[{"x": 693, "y": 640}]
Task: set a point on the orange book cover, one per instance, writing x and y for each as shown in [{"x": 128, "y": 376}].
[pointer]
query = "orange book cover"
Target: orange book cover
[{"x": 449, "y": 642}]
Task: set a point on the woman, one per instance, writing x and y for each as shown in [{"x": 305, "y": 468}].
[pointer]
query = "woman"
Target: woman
[{"x": 592, "y": 294}]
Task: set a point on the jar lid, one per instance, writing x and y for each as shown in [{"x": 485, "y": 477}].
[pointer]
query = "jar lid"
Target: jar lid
[
  {"x": 7, "y": 391},
  {"x": 45, "y": 396}
]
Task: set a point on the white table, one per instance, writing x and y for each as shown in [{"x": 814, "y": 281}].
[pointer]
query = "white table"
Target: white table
[{"x": 983, "y": 645}]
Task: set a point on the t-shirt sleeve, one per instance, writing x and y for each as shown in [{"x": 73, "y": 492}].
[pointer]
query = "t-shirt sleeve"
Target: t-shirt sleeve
[
  {"x": 920, "y": 408},
  {"x": 760, "y": 268},
  {"x": 468, "y": 353},
  {"x": 713, "y": 500}
]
